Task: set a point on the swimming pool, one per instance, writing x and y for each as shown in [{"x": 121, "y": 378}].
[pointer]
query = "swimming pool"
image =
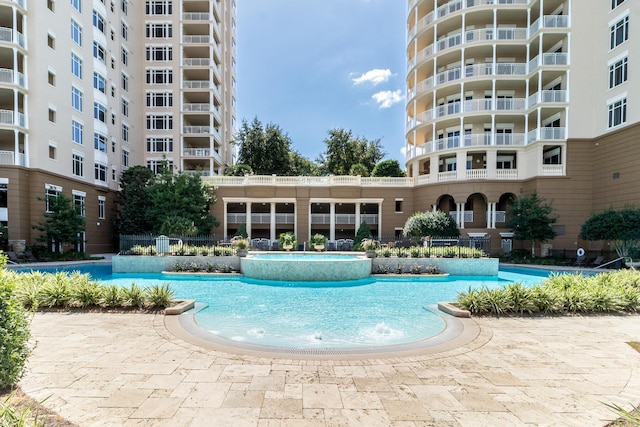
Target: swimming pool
[{"x": 372, "y": 312}]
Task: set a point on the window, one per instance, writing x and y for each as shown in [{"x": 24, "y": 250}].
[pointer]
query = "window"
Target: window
[
  {"x": 77, "y": 5},
  {"x": 113, "y": 35},
  {"x": 123, "y": 6},
  {"x": 76, "y": 65},
  {"x": 159, "y": 121},
  {"x": 100, "y": 172},
  {"x": 159, "y": 31},
  {"x": 4, "y": 202},
  {"x": 98, "y": 21},
  {"x": 114, "y": 173},
  {"x": 124, "y": 30},
  {"x": 125, "y": 158},
  {"x": 159, "y": 145},
  {"x": 618, "y": 73},
  {"x": 124, "y": 56},
  {"x": 159, "y": 99},
  {"x": 552, "y": 155},
  {"x": 78, "y": 164},
  {"x": 113, "y": 91},
  {"x": 158, "y": 7},
  {"x": 76, "y": 32},
  {"x": 77, "y": 132},
  {"x": 76, "y": 98},
  {"x": 100, "y": 112},
  {"x": 159, "y": 53},
  {"x": 399, "y": 205},
  {"x": 113, "y": 63},
  {"x": 101, "y": 200},
  {"x": 157, "y": 166},
  {"x": 99, "y": 52},
  {"x": 100, "y": 142},
  {"x": 113, "y": 118},
  {"x": 619, "y": 32},
  {"x": 125, "y": 82},
  {"x": 159, "y": 76},
  {"x": 616, "y": 3},
  {"x": 112, "y": 7},
  {"x": 50, "y": 192},
  {"x": 51, "y": 78},
  {"x": 78, "y": 202},
  {"x": 51, "y": 41},
  {"x": 125, "y": 133},
  {"x": 51, "y": 5},
  {"x": 618, "y": 112},
  {"x": 52, "y": 115},
  {"x": 125, "y": 108},
  {"x": 113, "y": 145},
  {"x": 53, "y": 147},
  {"x": 99, "y": 82}
]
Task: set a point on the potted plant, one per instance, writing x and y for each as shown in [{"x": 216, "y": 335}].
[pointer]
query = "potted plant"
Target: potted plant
[
  {"x": 318, "y": 242},
  {"x": 632, "y": 258},
  {"x": 369, "y": 246},
  {"x": 287, "y": 240},
  {"x": 241, "y": 245}
]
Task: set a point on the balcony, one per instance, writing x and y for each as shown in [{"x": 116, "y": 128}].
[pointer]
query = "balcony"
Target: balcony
[
  {"x": 470, "y": 140},
  {"x": 547, "y": 134},
  {"x": 197, "y": 84},
  {"x": 7, "y": 75},
  {"x": 547, "y": 96},
  {"x": 11, "y": 36},
  {"x": 197, "y": 107},
  {"x": 476, "y": 174},
  {"x": 9, "y": 158},
  {"x": 261, "y": 218},
  {"x": 9, "y": 117},
  {"x": 550, "y": 21},
  {"x": 549, "y": 59},
  {"x": 553, "y": 170},
  {"x": 196, "y": 152},
  {"x": 196, "y": 16},
  {"x": 197, "y": 129},
  {"x": 196, "y": 39},
  {"x": 196, "y": 62},
  {"x": 506, "y": 174},
  {"x": 447, "y": 176},
  {"x": 467, "y": 216},
  {"x": 343, "y": 219}
]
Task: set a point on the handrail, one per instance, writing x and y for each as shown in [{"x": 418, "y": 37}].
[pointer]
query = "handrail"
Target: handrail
[{"x": 610, "y": 262}]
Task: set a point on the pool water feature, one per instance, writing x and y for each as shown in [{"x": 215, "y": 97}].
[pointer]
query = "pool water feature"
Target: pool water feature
[
  {"x": 305, "y": 267},
  {"x": 374, "y": 312}
]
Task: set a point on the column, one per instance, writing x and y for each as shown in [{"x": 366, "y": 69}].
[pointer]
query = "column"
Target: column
[
  {"x": 224, "y": 221},
  {"x": 357, "y": 225},
  {"x": 489, "y": 214},
  {"x": 248, "y": 220},
  {"x": 272, "y": 235},
  {"x": 380, "y": 221},
  {"x": 332, "y": 221},
  {"x": 461, "y": 213},
  {"x": 495, "y": 213}
]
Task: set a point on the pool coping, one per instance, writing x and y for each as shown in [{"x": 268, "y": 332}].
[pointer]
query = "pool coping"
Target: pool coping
[{"x": 457, "y": 332}]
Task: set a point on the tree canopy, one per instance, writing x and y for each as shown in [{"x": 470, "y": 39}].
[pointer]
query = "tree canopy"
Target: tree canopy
[
  {"x": 622, "y": 227},
  {"x": 266, "y": 150},
  {"x": 390, "y": 168},
  {"x": 530, "y": 219},
  {"x": 63, "y": 222},
  {"x": 167, "y": 203},
  {"x": 433, "y": 224},
  {"x": 343, "y": 150}
]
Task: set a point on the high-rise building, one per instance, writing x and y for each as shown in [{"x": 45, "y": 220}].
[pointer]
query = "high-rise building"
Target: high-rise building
[{"x": 91, "y": 87}]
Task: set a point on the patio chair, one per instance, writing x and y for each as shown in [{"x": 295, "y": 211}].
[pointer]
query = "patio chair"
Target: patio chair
[
  {"x": 12, "y": 258},
  {"x": 29, "y": 257},
  {"x": 581, "y": 261},
  {"x": 598, "y": 261}
]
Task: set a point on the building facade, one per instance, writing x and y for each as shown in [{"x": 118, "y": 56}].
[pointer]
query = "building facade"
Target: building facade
[
  {"x": 503, "y": 98},
  {"x": 91, "y": 87}
]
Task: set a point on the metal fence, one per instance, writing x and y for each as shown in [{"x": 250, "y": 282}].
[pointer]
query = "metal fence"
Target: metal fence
[{"x": 145, "y": 244}]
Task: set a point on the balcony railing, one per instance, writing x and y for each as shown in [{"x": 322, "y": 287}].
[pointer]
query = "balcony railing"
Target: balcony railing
[
  {"x": 196, "y": 62},
  {"x": 501, "y": 216},
  {"x": 476, "y": 174},
  {"x": 9, "y": 117},
  {"x": 198, "y": 172},
  {"x": 506, "y": 174},
  {"x": 197, "y": 84},
  {"x": 549, "y": 59},
  {"x": 547, "y": 133},
  {"x": 547, "y": 96},
  {"x": 197, "y": 107},
  {"x": 6, "y": 158},
  {"x": 447, "y": 176},
  {"x": 196, "y": 152},
  {"x": 466, "y": 215},
  {"x": 550, "y": 21},
  {"x": 9, "y": 35},
  {"x": 311, "y": 181},
  {"x": 196, "y": 39},
  {"x": 196, "y": 16},
  {"x": 196, "y": 129},
  {"x": 343, "y": 219},
  {"x": 9, "y": 76},
  {"x": 553, "y": 170}
]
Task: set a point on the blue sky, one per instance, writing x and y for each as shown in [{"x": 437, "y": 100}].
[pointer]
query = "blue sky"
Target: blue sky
[{"x": 311, "y": 66}]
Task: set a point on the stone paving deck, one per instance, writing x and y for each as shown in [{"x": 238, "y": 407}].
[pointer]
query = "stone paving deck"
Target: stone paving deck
[{"x": 128, "y": 370}]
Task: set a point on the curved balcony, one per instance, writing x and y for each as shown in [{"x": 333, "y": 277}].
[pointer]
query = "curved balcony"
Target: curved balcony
[
  {"x": 468, "y": 141},
  {"x": 11, "y": 36},
  {"x": 10, "y": 117},
  {"x": 8, "y": 76},
  {"x": 453, "y": 7}
]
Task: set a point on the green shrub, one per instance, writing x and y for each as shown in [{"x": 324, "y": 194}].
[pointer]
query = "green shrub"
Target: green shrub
[
  {"x": 159, "y": 296},
  {"x": 112, "y": 296},
  {"x": 85, "y": 292},
  {"x": 133, "y": 296},
  {"x": 55, "y": 291},
  {"x": 14, "y": 331},
  {"x": 519, "y": 299},
  {"x": 10, "y": 416}
]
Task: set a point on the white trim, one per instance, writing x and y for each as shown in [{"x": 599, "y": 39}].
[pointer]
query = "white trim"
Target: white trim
[
  {"x": 4, "y": 180},
  {"x": 618, "y": 18},
  {"x": 618, "y": 58},
  {"x": 79, "y": 193},
  {"x": 103, "y": 198},
  {"x": 56, "y": 188},
  {"x": 617, "y": 98}
]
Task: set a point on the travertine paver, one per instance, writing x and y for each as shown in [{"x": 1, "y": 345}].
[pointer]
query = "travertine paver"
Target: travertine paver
[{"x": 129, "y": 370}]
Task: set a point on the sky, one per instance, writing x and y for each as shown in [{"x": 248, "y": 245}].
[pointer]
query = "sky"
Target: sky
[{"x": 312, "y": 66}]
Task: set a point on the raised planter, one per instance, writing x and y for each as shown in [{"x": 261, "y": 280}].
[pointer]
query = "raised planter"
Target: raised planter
[{"x": 180, "y": 307}]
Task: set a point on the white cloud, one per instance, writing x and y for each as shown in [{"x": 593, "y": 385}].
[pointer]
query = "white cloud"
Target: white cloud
[
  {"x": 375, "y": 77},
  {"x": 386, "y": 98}
]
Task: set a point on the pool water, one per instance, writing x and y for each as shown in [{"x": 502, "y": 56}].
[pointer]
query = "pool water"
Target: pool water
[{"x": 361, "y": 313}]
